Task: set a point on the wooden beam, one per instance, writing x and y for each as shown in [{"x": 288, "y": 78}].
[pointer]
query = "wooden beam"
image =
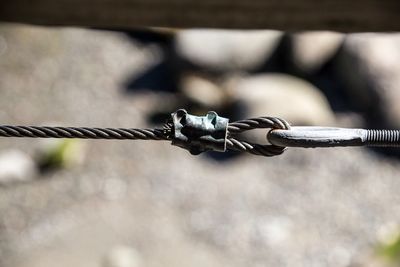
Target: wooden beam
[{"x": 288, "y": 15}]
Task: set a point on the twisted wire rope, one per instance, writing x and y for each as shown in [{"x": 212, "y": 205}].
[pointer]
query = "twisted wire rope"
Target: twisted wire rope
[
  {"x": 153, "y": 134},
  {"x": 255, "y": 123},
  {"x": 82, "y": 132}
]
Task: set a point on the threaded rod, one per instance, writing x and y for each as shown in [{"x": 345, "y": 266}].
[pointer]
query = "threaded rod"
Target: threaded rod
[{"x": 384, "y": 138}]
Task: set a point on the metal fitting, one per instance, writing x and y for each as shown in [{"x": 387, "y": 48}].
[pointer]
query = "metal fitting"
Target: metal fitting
[
  {"x": 199, "y": 133},
  {"x": 308, "y": 136}
]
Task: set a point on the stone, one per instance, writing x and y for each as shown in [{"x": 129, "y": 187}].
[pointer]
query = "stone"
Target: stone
[
  {"x": 202, "y": 90},
  {"x": 310, "y": 51},
  {"x": 369, "y": 68},
  {"x": 223, "y": 50},
  {"x": 284, "y": 96}
]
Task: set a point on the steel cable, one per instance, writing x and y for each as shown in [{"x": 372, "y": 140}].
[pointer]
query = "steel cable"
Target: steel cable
[
  {"x": 232, "y": 142},
  {"x": 282, "y": 135}
]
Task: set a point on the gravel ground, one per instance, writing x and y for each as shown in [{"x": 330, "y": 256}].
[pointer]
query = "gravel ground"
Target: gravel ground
[{"x": 316, "y": 207}]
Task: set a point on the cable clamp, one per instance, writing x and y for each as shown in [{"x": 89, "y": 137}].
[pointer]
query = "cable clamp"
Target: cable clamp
[{"x": 199, "y": 133}]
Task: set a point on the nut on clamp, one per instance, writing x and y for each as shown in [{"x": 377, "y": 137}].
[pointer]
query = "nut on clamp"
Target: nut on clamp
[{"x": 199, "y": 133}]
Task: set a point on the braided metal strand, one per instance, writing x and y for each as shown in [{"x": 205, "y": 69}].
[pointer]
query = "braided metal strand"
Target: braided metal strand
[
  {"x": 153, "y": 134},
  {"x": 257, "y": 123},
  {"x": 82, "y": 132},
  {"x": 255, "y": 149}
]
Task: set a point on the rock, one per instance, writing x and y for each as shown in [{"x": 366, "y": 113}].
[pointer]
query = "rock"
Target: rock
[
  {"x": 123, "y": 256},
  {"x": 283, "y": 96},
  {"x": 369, "y": 68},
  {"x": 16, "y": 166},
  {"x": 310, "y": 51},
  {"x": 202, "y": 90},
  {"x": 224, "y": 50}
]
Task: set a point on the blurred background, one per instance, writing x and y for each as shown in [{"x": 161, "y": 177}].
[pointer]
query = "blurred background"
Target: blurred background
[{"x": 145, "y": 204}]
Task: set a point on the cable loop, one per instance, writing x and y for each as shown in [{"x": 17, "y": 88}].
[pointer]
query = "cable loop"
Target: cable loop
[
  {"x": 241, "y": 126},
  {"x": 194, "y": 133}
]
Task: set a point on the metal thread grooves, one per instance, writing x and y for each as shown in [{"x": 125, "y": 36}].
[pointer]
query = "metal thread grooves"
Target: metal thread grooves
[{"x": 385, "y": 138}]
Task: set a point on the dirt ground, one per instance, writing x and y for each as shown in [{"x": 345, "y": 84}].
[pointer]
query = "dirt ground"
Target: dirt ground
[{"x": 308, "y": 207}]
